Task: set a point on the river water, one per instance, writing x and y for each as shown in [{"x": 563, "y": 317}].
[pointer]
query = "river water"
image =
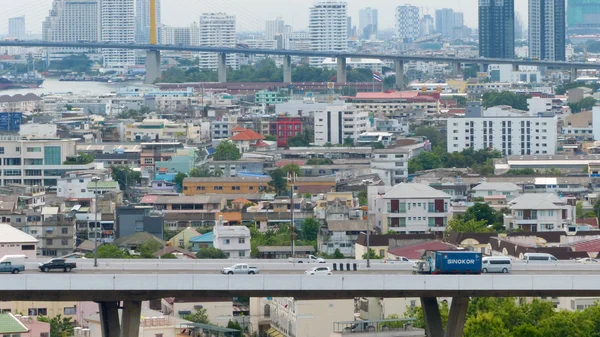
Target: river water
[{"x": 54, "y": 86}]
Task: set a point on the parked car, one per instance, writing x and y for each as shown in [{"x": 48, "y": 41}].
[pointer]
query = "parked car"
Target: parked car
[
  {"x": 57, "y": 264},
  {"x": 587, "y": 260},
  {"x": 240, "y": 268},
  {"x": 318, "y": 271},
  {"x": 9, "y": 267},
  {"x": 307, "y": 259}
]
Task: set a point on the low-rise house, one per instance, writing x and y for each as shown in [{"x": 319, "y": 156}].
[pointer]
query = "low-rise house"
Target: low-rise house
[
  {"x": 132, "y": 242},
  {"x": 415, "y": 251},
  {"x": 487, "y": 189},
  {"x": 408, "y": 208},
  {"x": 182, "y": 239},
  {"x": 245, "y": 139},
  {"x": 202, "y": 241},
  {"x": 232, "y": 240},
  {"x": 540, "y": 212},
  {"x": 341, "y": 235},
  {"x": 15, "y": 242}
]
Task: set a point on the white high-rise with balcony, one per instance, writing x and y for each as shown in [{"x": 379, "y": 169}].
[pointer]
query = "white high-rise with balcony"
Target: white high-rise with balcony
[
  {"x": 328, "y": 26},
  {"x": 118, "y": 26},
  {"x": 72, "y": 21},
  {"x": 273, "y": 28},
  {"x": 142, "y": 21},
  {"x": 217, "y": 30},
  {"x": 407, "y": 23}
]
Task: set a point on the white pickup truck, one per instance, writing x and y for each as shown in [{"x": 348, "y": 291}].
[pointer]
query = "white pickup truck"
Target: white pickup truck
[
  {"x": 240, "y": 268},
  {"x": 307, "y": 259}
]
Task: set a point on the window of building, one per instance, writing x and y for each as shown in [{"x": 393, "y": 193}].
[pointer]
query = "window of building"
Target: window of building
[
  {"x": 70, "y": 311},
  {"x": 226, "y": 241},
  {"x": 1, "y": 149},
  {"x": 18, "y": 149},
  {"x": 34, "y": 149},
  {"x": 48, "y": 241},
  {"x": 64, "y": 230},
  {"x": 37, "y": 312},
  {"x": 242, "y": 254},
  {"x": 147, "y": 160},
  {"x": 52, "y": 155},
  {"x": 218, "y": 188},
  {"x": 29, "y": 247},
  {"x": 241, "y": 240}
]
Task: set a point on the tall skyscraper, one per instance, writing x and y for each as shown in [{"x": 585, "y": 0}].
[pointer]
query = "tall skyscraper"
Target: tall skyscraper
[
  {"x": 273, "y": 28},
  {"x": 118, "y": 26},
  {"x": 426, "y": 25},
  {"x": 328, "y": 27},
  {"x": 72, "y": 21},
  {"x": 407, "y": 23},
  {"x": 444, "y": 22},
  {"x": 368, "y": 23},
  {"x": 186, "y": 36},
  {"x": 583, "y": 16},
  {"x": 16, "y": 27},
  {"x": 217, "y": 30},
  {"x": 547, "y": 30},
  {"x": 497, "y": 28},
  {"x": 518, "y": 27},
  {"x": 142, "y": 21}
]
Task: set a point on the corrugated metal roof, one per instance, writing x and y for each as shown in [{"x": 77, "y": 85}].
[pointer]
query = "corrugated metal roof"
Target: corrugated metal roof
[{"x": 9, "y": 234}]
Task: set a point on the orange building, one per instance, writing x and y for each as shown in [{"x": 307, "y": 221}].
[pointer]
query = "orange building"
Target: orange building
[{"x": 225, "y": 185}]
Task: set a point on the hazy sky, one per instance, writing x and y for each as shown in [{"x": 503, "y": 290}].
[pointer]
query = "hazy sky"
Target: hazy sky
[{"x": 251, "y": 14}]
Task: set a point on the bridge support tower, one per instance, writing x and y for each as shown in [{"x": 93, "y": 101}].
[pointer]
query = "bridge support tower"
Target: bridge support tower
[
  {"x": 222, "y": 67},
  {"x": 483, "y": 67},
  {"x": 456, "y": 69},
  {"x": 153, "y": 72},
  {"x": 573, "y": 74},
  {"x": 399, "y": 69},
  {"x": 130, "y": 319},
  {"x": 341, "y": 70},
  {"x": 456, "y": 317},
  {"x": 287, "y": 69}
]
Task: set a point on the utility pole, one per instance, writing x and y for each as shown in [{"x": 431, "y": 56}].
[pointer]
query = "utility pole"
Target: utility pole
[
  {"x": 368, "y": 245},
  {"x": 95, "y": 180},
  {"x": 291, "y": 180}
]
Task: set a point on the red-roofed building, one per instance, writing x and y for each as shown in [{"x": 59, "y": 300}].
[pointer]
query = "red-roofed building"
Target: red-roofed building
[
  {"x": 287, "y": 127},
  {"x": 389, "y": 102},
  {"x": 414, "y": 252},
  {"x": 591, "y": 246},
  {"x": 245, "y": 139},
  {"x": 593, "y": 222}
]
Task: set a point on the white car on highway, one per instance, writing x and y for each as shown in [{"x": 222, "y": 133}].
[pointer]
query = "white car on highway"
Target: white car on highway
[
  {"x": 318, "y": 271},
  {"x": 588, "y": 260}
]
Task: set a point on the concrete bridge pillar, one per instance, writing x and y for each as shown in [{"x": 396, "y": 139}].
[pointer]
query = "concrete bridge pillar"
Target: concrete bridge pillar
[
  {"x": 457, "y": 317},
  {"x": 399, "y": 69},
  {"x": 222, "y": 68},
  {"x": 341, "y": 70},
  {"x": 456, "y": 69},
  {"x": 515, "y": 67},
  {"x": 109, "y": 319},
  {"x": 287, "y": 69},
  {"x": 153, "y": 72},
  {"x": 129, "y": 324},
  {"x": 432, "y": 317},
  {"x": 483, "y": 67},
  {"x": 573, "y": 74}
]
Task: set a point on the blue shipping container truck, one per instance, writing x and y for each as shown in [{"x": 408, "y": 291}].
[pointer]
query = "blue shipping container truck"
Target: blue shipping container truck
[{"x": 449, "y": 262}]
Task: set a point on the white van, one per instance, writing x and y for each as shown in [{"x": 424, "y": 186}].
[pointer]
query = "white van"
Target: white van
[
  {"x": 539, "y": 257},
  {"x": 496, "y": 264}
]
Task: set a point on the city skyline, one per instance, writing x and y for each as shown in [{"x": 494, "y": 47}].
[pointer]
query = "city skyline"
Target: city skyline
[{"x": 251, "y": 19}]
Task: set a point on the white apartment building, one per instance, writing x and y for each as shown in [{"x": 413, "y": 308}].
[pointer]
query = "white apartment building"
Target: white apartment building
[
  {"x": 80, "y": 184},
  {"x": 328, "y": 26},
  {"x": 217, "y": 30},
  {"x": 72, "y": 21},
  {"x": 338, "y": 122},
  {"x": 547, "y": 30},
  {"x": 408, "y": 208},
  {"x": 36, "y": 130},
  {"x": 487, "y": 189},
  {"x": 540, "y": 212},
  {"x": 233, "y": 240},
  {"x": 142, "y": 20},
  {"x": 273, "y": 28},
  {"x": 152, "y": 128},
  {"x": 16, "y": 27},
  {"x": 407, "y": 23},
  {"x": 186, "y": 36},
  {"x": 300, "y": 318},
  {"x": 392, "y": 163},
  {"x": 368, "y": 23},
  {"x": 118, "y": 26},
  {"x": 355, "y": 63},
  {"x": 505, "y": 130}
]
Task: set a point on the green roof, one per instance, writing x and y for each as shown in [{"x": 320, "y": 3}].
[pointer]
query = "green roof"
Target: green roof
[
  {"x": 9, "y": 325},
  {"x": 104, "y": 185}
]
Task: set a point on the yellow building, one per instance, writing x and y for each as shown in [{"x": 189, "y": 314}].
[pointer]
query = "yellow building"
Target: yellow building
[
  {"x": 182, "y": 239},
  {"x": 225, "y": 185},
  {"x": 39, "y": 308}
]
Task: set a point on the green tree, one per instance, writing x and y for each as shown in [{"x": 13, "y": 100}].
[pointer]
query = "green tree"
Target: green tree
[
  {"x": 337, "y": 254},
  {"x": 433, "y": 134},
  {"x": 111, "y": 252},
  {"x": 168, "y": 256},
  {"x": 310, "y": 229},
  {"x": 424, "y": 161},
  {"x": 304, "y": 139},
  {"x": 178, "y": 180},
  {"x": 227, "y": 150},
  {"x": 125, "y": 176},
  {"x": 80, "y": 63},
  {"x": 526, "y": 330},
  {"x": 147, "y": 249},
  {"x": 278, "y": 181},
  {"x": 81, "y": 159},
  {"x": 485, "y": 325},
  {"x": 204, "y": 172},
  {"x": 199, "y": 316},
  {"x": 211, "y": 253},
  {"x": 417, "y": 314},
  {"x": 585, "y": 104},
  {"x": 470, "y": 72},
  {"x": 363, "y": 198},
  {"x": 271, "y": 138},
  {"x": 579, "y": 210},
  {"x": 589, "y": 214},
  {"x": 59, "y": 326},
  {"x": 235, "y": 326},
  {"x": 470, "y": 226},
  {"x": 516, "y": 101},
  {"x": 481, "y": 212},
  {"x": 348, "y": 141},
  {"x": 319, "y": 161},
  {"x": 291, "y": 168},
  {"x": 168, "y": 234},
  {"x": 372, "y": 255},
  {"x": 566, "y": 324}
]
